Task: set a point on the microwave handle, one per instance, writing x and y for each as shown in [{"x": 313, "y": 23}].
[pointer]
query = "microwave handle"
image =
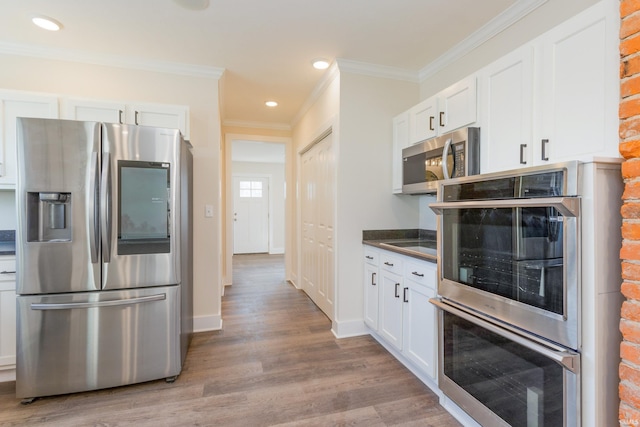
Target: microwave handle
[
  {"x": 445, "y": 153},
  {"x": 567, "y": 206}
]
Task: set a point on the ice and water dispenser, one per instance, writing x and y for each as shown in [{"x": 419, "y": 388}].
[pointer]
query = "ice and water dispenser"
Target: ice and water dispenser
[{"x": 48, "y": 217}]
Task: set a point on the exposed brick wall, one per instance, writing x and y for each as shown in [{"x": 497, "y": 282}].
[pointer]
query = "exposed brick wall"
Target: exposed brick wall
[{"x": 629, "y": 113}]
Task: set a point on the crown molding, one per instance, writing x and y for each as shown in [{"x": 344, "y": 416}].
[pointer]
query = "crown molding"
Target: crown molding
[
  {"x": 324, "y": 82},
  {"x": 498, "y": 24},
  {"x": 256, "y": 125},
  {"x": 374, "y": 70},
  {"x": 111, "y": 60}
]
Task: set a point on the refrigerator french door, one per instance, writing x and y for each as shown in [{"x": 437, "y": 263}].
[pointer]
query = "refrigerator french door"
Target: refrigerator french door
[{"x": 98, "y": 255}]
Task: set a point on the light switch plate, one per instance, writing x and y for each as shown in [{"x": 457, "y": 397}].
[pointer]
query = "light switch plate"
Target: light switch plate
[{"x": 208, "y": 211}]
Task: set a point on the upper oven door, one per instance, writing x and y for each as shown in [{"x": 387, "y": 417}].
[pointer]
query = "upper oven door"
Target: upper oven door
[{"x": 515, "y": 260}]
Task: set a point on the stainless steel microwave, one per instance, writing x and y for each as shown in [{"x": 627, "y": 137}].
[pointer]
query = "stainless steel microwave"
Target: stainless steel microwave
[{"x": 452, "y": 155}]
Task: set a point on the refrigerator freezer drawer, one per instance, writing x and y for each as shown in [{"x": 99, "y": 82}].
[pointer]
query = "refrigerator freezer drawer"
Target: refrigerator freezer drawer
[{"x": 85, "y": 341}]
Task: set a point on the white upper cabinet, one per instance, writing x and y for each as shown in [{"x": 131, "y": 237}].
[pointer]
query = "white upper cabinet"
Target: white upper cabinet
[
  {"x": 450, "y": 109},
  {"x": 12, "y": 106},
  {"x": 158, "y": 115},
  {"x": 506, "y": 111},
  {"x": 556, "y": 98},
  {"x": 400, "y": 141},
  {"x": 579, "y": 80}
]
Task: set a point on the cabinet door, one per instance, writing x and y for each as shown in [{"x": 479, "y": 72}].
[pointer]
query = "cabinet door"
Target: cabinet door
[
  {"x": 390, "y": 317},
  {"x": 457, "y": 105},
  {"x": 371, "y": 296},
  {"x": 400, "y": 141},
  {"x": 12, "y": 106},
  {"x": 420, "y": 327},
  {"x": 94, "y": 111},
  {"x": 7, "y": 312},
  {"x": 507, "y": 112},
  {"x": 166, "y": 116},
  {"x": 423, "y": 120},
  {"x": 579, "y": 92}
]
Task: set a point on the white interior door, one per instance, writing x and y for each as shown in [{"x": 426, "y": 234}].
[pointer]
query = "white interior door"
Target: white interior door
[{"x": 250, "y": 214}]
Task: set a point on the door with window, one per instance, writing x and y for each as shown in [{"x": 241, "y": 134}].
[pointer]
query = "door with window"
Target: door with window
[{"x": 250, "y": 214}]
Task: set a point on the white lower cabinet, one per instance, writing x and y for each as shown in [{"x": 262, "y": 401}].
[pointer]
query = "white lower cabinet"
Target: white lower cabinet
[
  {"x": 7, "y": 314},
  {"x": 398, "y": 288}
]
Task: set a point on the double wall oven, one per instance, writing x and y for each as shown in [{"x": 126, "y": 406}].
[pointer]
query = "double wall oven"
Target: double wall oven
[{"x": 509, "y": 275}]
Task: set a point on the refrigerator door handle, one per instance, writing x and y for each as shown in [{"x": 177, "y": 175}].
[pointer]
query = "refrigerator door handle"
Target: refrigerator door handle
[
  {"x": 98, "y": 304},
  {"x": 105, "y": 207},
  {"x": 94, "y": 218}
]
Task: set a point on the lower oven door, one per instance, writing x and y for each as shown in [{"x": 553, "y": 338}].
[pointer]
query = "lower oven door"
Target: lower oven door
[{"x": 502, "y": 378}]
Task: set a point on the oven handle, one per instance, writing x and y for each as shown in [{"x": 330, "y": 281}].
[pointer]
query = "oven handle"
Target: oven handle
[
  {"x": 567, "y": 206},
  {"x": 567, "y": 359}
]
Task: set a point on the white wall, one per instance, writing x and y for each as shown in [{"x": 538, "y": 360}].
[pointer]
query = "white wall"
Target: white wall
[
  {"x": 275, "y": 172},
  {"x": 7, "y": 210},
  {"x": 199, "y": 93}
]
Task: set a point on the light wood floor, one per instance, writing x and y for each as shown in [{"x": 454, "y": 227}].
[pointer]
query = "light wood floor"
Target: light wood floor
[{"x": 275, "y": 362}]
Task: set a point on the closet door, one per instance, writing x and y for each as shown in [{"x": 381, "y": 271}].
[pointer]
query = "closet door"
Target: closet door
[{"x": 317, "y": 214}]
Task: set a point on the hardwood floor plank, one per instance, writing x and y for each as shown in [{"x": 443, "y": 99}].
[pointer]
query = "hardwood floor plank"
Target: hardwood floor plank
[{"x": 276, "y": 362}]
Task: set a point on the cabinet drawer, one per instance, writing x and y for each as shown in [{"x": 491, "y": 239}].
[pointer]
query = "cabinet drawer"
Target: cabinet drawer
[
  {"x": 371, "y": 255},
  {"x": 424, "y": 273},
  {"x": 391, "y": 263}
]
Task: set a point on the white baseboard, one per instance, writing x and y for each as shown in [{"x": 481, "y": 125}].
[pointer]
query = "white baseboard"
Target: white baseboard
[
  {"x": 207, "y": 323},
  {"x": 276, "y": 251},
  {"x": 350, "y": 328},
  {"x": 7, "y": 375}
]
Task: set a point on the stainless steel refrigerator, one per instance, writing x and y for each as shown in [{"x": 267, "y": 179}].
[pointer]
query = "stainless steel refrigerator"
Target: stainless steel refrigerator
[{"x": 104, "y": 272}]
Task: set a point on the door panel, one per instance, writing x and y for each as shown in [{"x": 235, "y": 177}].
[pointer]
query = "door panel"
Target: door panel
[{"x": 251, "y": 215}]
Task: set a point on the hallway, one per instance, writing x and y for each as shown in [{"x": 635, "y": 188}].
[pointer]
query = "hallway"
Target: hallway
[{"x": 275, "y": 362}]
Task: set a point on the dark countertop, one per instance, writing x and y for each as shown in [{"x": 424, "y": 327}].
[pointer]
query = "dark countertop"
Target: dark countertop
[
  {"x": 417, "y": 243},
  {"x": 7, "y": 242}
]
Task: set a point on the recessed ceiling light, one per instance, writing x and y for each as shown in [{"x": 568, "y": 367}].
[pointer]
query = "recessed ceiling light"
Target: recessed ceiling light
[
  {"x": 193, "y": 4},
  {"x": 271, "y": 104},
  {"x": 320, "y": 64},
  {"x": 46, "y": 23}
]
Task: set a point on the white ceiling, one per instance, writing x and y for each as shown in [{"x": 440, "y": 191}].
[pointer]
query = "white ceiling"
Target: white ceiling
[{"x": 264, "y": 46}]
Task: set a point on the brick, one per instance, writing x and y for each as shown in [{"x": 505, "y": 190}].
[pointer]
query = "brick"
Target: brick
[
  {"x": 630, "y": 45},
  {"x": 630, "y": 210},
  {"x": 629, "y": 108},
  {"x": 631, "y": 190},
  {"x": 630, "y": 86},
  {"x": 630, "y": 352},
  {"x": 627, "y": 7},
  {"x": 628, "y": 129},
  {"x": 630, "y": 251},
  {"x": 630, "y": 25},
  {"x": 628, "y": 416},
  {"x": 630, "y": 331},
  {"x": 631, "y": 311},
  {"x": 629, "y": 394},
  {"x": 631, "y": 231},
  {"x": 629, "y": 66},
  {"x": 631, "y": 168},
  {"x": 630, "y": 271}
]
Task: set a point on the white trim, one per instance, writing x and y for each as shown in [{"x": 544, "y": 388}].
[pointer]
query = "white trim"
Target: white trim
[
  {"x": 326, "y": 80},
  {"x": 373, "y": 70},
  {"x": 498, "y": 24},
  {"x": 119, "y": 61},
  {"x": 349, "y": 328},
  {"x": 7, "y": 375},
  {"x": 207, "y": 323},
  {"x": 256, "y": 125}
]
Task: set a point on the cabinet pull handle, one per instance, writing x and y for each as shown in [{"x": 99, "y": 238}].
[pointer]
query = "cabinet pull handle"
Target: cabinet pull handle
[
  {"x": 544, "y": 149},
  {"x": 522, "y": 160},
  {"x": 442, "y": 118},
  {"x": 120, "y": 116},
  {"x": 431, "y": 122},
  {"x": 368, "y": 257},
  {"x": 7, "y": 272},
  {"x": 397, "y": 287},
  {"x": 388, "y": 263},
  {"x": 415, "y": 273},
  {"x": 136, "y": 120},
  {"x": 373, "y": 279},
  {"x": 404, "y": 296}
]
